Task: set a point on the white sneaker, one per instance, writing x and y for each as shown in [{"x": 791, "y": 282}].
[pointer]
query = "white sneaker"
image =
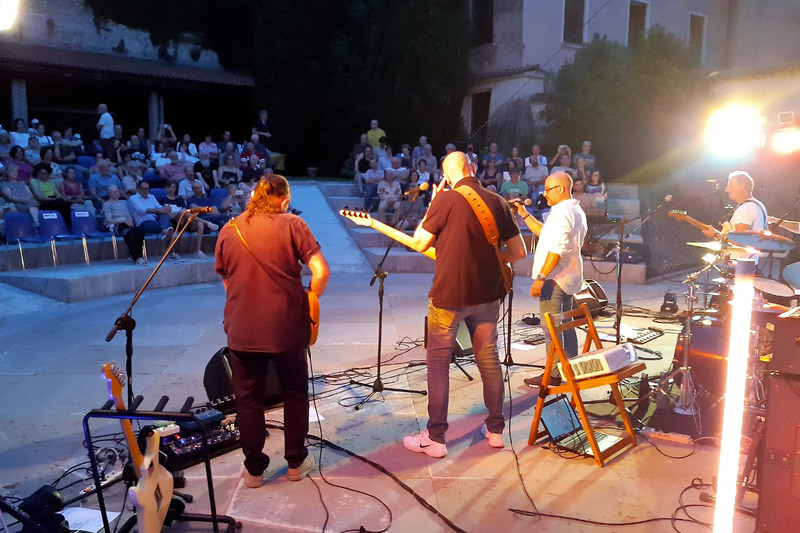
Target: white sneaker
[
  {"x": 141, "y": 262},
  {"x": 175, "y": 257},
  {"x": 212, "y": 226},
  {"x": 200, "y": 255},
  {"x": 495, "y": 439},
  {"x": 422, "y": 443},
  {"x": 307, "y": 466},
  {"x": 168, "y": 233}
]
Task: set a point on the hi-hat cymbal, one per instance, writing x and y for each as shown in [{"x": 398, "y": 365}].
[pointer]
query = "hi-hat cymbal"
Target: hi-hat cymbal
[
  {"x": 714, "y": 246},
  {"x": 763, "y": 241}
]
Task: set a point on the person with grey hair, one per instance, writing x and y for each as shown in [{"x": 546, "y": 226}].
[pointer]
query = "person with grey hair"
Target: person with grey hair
[{"x": 749, "y": 215}]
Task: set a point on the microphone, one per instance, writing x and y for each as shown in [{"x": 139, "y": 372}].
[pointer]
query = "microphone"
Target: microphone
[
  {"x": 667, "y": 198},
  {"x": 514, "y": 201},
  {"x": 413, "y": 192},
  {"x": 200, "y": 210}
]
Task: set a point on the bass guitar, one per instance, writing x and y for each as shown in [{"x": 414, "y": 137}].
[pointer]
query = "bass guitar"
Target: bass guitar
[
  {"x": 153, "y": 493},
  {"x": 363, "y": 218}
]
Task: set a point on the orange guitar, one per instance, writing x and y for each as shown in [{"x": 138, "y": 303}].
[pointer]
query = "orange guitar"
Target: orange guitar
[
  {"x": 683, "y": 217},
  {"x": 313, "y": 312},
  {"x": 362, "y": 218},
  {"x": 153, "y": 493}
]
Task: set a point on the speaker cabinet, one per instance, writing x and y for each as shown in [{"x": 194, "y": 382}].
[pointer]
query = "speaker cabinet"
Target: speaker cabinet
[{"x": 217, "y": 381}]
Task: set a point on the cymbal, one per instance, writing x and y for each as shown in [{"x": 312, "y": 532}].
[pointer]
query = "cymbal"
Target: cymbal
[
  {"x": 772, "y": 287},
  {"x": 714, "y": 246},
  {"x": 763, "y": 240}
]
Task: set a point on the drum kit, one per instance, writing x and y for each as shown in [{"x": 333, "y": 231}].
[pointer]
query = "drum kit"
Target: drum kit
[{"x": 704, "y": 350}]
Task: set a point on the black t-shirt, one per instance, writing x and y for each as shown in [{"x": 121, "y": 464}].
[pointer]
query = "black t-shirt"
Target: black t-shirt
[
  {"x": 467, "y": 271},
  {"x": 206, "y": 171},
  {"x": 266, "y": 310},
  {"x": 177, "y": 201},
  {"x": 363, "y": 165}
]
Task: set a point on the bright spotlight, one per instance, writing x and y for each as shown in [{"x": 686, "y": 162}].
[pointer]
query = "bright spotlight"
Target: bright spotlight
[
  {"x": 8, "y": 13},
  {"x": 733, "y": 131},
  {"x": 786, "y": 141}
]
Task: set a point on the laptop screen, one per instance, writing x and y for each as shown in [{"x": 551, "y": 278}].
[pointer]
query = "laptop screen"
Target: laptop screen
[{"x": 558, "y": 417}]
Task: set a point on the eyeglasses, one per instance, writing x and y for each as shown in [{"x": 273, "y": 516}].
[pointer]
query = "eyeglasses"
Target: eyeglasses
[{"x": 548, "y": 189}]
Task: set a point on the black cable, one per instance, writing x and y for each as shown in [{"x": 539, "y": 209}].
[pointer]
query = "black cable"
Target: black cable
[{"x": 122, "y": 511}]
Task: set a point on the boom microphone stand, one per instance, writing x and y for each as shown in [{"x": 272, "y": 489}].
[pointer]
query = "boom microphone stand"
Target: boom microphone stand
[
  {"x": 126, "y": 321},
  {"x": 377, "y": 386}
]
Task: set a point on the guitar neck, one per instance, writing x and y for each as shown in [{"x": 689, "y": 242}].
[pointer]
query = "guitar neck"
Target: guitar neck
[
  {"x": 130, "y": 439},
  {"x": 401, "y": 237}
]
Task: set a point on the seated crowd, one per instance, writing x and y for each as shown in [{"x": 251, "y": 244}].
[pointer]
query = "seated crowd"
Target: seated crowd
[
  {"x": 111, "y": 178},
  {"x": 390, "y": 181}
]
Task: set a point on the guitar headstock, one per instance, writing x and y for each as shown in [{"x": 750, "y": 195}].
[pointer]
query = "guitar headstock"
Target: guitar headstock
[
  {"x": 116, "y": 381},
  {"x": 678, "y": 215},
  {"x": 359, "y": 216}
]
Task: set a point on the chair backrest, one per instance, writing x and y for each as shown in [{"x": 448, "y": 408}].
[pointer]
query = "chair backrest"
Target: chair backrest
[
  {"x": 19, "y": 226},
  {"x": 151, "y": 176},
  {"x": 86, "y": 161},
  {"x": 83, "y": 222},
  {"x": 51, "y": 223},
  {"x": 573, "y": 319},
  {"x": 217, "y": 195},
  {"x": 158, "y": 193}
]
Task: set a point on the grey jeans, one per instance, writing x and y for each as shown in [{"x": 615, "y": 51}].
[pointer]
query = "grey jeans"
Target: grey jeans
[{"x": 554, "y": 300}]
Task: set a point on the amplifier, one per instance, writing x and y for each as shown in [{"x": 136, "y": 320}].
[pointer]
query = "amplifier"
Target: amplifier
[
  {"x": 602, "y": 361},
  {"x": 786, "y": 346}
]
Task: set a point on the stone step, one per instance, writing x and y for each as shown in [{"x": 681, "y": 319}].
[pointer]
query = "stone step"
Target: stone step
[
  {"x": 623, "y": 191},
  {"x": 399, "y": 260},
  {"x": 344, "y": 188},
  {"x": 625, "y": 207},
  {"x": 369, "y": 238}
]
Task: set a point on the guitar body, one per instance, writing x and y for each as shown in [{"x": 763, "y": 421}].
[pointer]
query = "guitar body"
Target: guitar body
[{"x": 153, "y": 494}]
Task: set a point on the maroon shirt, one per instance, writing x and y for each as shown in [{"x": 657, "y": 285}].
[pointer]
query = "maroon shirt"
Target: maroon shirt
[
  {"x": 467, "y": 270},
  {"x": 265, "y": 311}
]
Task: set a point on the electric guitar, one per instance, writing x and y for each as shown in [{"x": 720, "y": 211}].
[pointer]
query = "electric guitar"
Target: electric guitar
[
  {"x": 153, "y": 493},
  {"x": 363, "y": 218},
  {"x": 683, "y": 217},
  {"x": 313, "y": 313}
]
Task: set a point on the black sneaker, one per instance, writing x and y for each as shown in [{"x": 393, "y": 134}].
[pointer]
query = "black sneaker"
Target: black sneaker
[{"x": 536, "y": 382}]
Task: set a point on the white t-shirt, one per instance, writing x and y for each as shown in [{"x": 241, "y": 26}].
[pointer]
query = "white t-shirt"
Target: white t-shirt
[
  {"x": 751, "y": 212},
  {"x": 107, "y": 131},
  {"x": 563, "y": 234}
]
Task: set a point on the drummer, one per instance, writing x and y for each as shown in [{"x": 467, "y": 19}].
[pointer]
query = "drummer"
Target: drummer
[{"x": 749, "y": 215}]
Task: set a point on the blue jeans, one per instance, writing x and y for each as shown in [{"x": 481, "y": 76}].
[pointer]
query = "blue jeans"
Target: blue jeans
[
  {"x": 554, "y": 300},
  {"x": 481, "y": 321},
  {"x": 154, "y": 226}
]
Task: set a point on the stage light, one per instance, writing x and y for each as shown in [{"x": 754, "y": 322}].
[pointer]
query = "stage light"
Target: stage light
[
  {"x": 733, "y": 131},
  {"x": 734, "y": 396},
  {"x": 786, "y": 141},
  {"x": 8, "y": 13}
]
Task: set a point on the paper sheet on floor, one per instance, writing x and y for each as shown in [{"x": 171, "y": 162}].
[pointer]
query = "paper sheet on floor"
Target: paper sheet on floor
[{"x": 82, "y": 519}]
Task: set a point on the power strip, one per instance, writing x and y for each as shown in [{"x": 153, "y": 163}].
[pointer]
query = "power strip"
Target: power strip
[{"x": 679, "y": 438}]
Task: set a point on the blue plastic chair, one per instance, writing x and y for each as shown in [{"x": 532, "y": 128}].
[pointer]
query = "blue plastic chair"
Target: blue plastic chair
[
  {"x": 84, "y": 226},
  {"x": 158, "y": 193},
  {"x": 86, "y": 161},
  {"x": 217, "y": 195},
  {"x": 150, "y": 176},
  {"x": 53, "y": 227},
  {"x": 19, "y": 229}
]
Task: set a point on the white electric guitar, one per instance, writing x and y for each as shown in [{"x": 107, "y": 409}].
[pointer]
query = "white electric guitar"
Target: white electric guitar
[
  {"x": 363, "y": 218},
  {"x": 153, "y": 493}
]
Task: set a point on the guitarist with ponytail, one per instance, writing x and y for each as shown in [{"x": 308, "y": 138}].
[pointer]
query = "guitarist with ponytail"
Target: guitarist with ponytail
[{"x": 268, "y": 317}]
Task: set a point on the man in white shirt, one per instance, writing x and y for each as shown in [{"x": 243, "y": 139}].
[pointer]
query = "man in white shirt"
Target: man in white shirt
[
  {"x": 105, "y": 128},
  {"x": 149, "y": 215},
  {"x": 557, "y": 264},
  {"x": 185, "y": 185}
]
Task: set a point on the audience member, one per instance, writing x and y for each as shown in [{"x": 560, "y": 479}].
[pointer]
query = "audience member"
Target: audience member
[
  {"x": 430, "y": 159},
  {"x": 46, "y": 156},
  {"x": 167, "y": 135},
  {"x": 63, "y": 152},
  {"x": 423, "y": 175},
  {"x": 46, "y": 193},
  {"x": 174, "y": 170},
  {"x": 105, "y": 128},
  {"x": 229, "y": 172},
  {"x": 385, "y": 161},
  {"x": 226, "y": 138},
  {"x": 389, "y": 193},
  {"x": 178, "y": 208},
  {"x": 375, "y": 133},
  {"x": 18, "y": 158},
  {"x": 558, "y": 159},
  {"x": 144, "y": 145},
  {"x": 596, "y": 187},
  {"x": 32, "y": 153},
  {"x": 118, "y": 218},
  {"x": 372, "y": 178},
  {"x": 101, "y": 180},
  {"x": 472, "y": 156},
  {"x": 72, "y": 191},
  {"x": 514, "y": 188},
  {"x": 18, "y": 193},
  {"x": 248, "y": 184},
  {"x": 149, "y": 215},
  {"x": 187, "y": 183},
  {"x": 518, "y": 162},
  {"x": 250, "y": 149},
  {"x": 563, "y": 166},
  {"x": 405, "y": 156},
  {"x": 261, "y": 129},
  {"x": 588, "y": 157},
  {"x": 587, "y": 201},
  {"x": 234, "y": 204},
  {"x": 210, "y": 148},
  {"x": 5, "y": 146},
  {"x": 184, "y": 156},
  {"x": 490, "y": 176},
  {"x": 159, "y": 155},
  {"x": 581, "y": 172},
  {"x": 206, "y": 170},
  {"x": 380, "y": 150},
  {"x": 19, "y": 133},
  {"x": 212, "y": 220},
  {"x": 493, "y": 155},
  {"x": 253, "y": 169},
  {"x": 191, "y": 148},
  {"x": 536, "y": 153},
  {"x": 41, "y": 135},
  {"x": 419, "y": 150},
  {"x": 535, "y": 172}
]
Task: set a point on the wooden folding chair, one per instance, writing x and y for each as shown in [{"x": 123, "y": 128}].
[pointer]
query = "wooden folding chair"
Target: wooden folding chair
[{"x": 557, "y": 324}]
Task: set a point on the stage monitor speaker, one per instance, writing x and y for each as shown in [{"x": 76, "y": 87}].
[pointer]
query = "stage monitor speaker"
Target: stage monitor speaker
[
  {"x": 218, "y": 384},
  {"x": 462, "y": 346},
  {"x": 593, "y": 295},
  {"x": 779, "y": 467},
  {"x": 708, "y": 354}
]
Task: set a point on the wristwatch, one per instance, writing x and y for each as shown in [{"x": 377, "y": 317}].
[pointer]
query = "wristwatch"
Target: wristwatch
[{"x": 540, "y": 278}]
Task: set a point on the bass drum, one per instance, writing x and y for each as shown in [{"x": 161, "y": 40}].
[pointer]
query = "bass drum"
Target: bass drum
[{"x": 708, "y": 352}]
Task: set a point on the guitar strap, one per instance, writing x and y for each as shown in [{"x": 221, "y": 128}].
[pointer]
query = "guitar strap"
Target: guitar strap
[{"x": 489, "y": 226}]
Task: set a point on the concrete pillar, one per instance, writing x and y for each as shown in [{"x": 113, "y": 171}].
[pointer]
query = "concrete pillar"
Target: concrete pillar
[
  {"x": 19, "y": 100},
  {"x": 153, "y": 115}
]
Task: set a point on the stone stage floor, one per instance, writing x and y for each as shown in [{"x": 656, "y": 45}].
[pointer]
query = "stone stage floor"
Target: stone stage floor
[{"x": 51, "y": 354}]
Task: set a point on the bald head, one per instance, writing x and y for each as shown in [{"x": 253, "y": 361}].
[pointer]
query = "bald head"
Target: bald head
[
  {"x": 557, "y": 188},
  {"x": 456, "y": 166}
]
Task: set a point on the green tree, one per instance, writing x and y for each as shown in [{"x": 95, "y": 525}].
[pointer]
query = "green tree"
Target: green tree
[{"x": 638, "y": 105}]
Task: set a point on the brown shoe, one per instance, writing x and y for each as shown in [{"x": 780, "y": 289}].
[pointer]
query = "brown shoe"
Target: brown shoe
[
  {"x": 252, "y": 481},
  {"x": 536, "y": 382},
  {"x": 307, "y": 466}
]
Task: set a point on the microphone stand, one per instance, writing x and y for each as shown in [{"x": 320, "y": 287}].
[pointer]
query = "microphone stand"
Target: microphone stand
[
  {"x": 380, "y": 274},
  {"x": 127, "y": 323}
]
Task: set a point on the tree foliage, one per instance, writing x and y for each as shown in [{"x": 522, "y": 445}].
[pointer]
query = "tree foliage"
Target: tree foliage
[
  {"x": 325, "y": 68},
  {"x": 638, "y": 105}
]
